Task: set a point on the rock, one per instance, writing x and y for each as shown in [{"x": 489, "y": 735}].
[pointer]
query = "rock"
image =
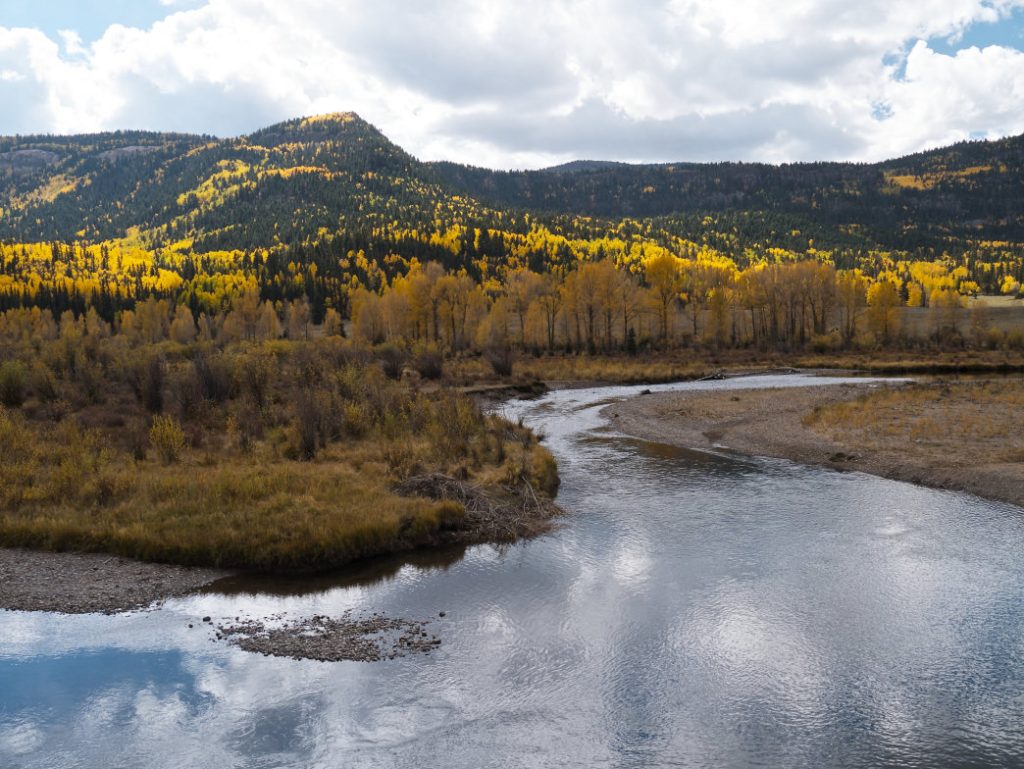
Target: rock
[{"x": 442, "y": 614}]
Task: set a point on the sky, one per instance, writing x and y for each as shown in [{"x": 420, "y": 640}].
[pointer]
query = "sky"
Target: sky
[{"x": 531, "y": 83}]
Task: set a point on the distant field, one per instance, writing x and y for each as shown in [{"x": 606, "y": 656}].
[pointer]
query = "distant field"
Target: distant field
[
  {"x": 999, "y": 302},
  {"x": 1005, "y": 313}
]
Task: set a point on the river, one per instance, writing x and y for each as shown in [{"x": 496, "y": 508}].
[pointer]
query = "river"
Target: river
[{"x": 691, "y": 610}]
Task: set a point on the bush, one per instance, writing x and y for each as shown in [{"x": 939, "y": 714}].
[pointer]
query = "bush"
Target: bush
[
  {"x": 822, "y": 343},
  {"x": 392, "y": 360},
  {"x": 147, "y": 380},
  {"x": 44, "y": 385},
  {"x": 357, "y": 422},
  {"x": 257, "y": 370},
  {"x": 306, "y": 427},
  {"x": 167, "y": 438},
  {"x": 545, "y": 472},
  {"x": 13, "y": 383},
  {"x": 214, "y": 377},
  {"x": 501, "y": 360},
  {"x": 429, "y": 363}
]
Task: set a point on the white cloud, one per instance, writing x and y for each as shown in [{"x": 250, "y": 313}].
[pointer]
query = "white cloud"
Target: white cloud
[{"x": 531, "y": 82}]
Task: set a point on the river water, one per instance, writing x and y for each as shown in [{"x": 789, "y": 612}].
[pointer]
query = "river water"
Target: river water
[{"x": 692, "y": 610}]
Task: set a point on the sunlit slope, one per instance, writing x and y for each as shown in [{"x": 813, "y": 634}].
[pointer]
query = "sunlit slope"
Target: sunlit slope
[
  {"x": 283, "y": 184},
  {"x": 306, "y": 180}
]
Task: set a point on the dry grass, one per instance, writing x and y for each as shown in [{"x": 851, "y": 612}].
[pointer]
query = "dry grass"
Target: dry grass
[
  {"x": 66, "y": 490},
  {"x": 693, "y": 364},
  {"x": 965, "y": 361},
  {"x": 279, "y": 458},
  {"x": 978, "y": 422}
]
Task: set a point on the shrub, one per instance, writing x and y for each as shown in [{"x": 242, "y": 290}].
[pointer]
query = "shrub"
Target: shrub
[
  {"x": 357, "y": 422},
  {"x": 214, "y": 377},
  {"x": 545, "y": 472},
  {"x": 245, "y": 426},
  {"x": 455, "y": 421},
  {"x": 429, "y": 363},
  {"x": 306, "y": 427},
  {"x": 13, "y": 383},
  {"x": 91, "y": 381},
  {"x": 821, "y": 343},
  {"x": 185, "y": 392},
  {"x": 392, "y": 360},
  {"x": 43, "y": 383},
  {"x": 256, "y": 374},
  {"x": 501, "y": 360},
  {"x": 147, "y": 380},
  {"x": 167, "y": 438}
]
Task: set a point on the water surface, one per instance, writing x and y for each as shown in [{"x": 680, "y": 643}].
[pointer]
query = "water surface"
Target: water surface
[{"x": 693, "y": 610}]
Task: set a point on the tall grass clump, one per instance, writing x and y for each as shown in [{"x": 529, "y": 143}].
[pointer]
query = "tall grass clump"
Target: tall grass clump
[{"x": 167, "y": 438}]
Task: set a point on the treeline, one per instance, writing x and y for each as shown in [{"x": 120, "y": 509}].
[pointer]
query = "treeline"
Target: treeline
[
  {"x": 670, "y": 303},
  {"x": 663, "y": 303}
]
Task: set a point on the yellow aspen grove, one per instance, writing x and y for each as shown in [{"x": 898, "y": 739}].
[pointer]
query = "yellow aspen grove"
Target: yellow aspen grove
[
  {"x": 664, "y": 275},
  {"x": 883, "y": 300}
]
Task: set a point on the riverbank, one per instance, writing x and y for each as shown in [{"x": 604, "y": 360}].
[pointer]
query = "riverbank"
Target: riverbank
[
  {"x": 558, "y": 371},
  {"x": 87, "y": 583},
  {"x": 100, "y": 582},
  {"x": 947, "y": 435}
]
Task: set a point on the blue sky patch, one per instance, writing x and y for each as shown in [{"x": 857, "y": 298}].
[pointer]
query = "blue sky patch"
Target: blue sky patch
[
  {"x": 1008, "y": 32},
  {"x": 89, "y": 18}
]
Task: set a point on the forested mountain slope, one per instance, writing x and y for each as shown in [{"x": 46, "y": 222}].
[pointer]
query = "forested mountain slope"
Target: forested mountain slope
[
  {"x": 938, "y": 199},
  {"x": 292, "y": 182},
  {"x": 283, "y": 184}
]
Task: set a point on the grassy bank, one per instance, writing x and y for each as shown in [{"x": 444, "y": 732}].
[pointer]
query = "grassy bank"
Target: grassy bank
[
  {"x": 278, "y": 457},
  {"x": 974, "y": 423},
  {"x": 693, "y": 364}
]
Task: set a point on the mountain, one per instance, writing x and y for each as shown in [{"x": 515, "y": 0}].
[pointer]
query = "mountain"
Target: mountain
[
  {"x": 970, "y": 191},
  {"x": 303, "y": 180},
  {"x": 282, "y": 184}
]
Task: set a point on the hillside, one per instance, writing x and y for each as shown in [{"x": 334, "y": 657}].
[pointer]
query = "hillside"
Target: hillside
[
  {"x": 292, "y": 182},
  {"x": 282, "y": 184},
  {"x": 941, "y": 199}
]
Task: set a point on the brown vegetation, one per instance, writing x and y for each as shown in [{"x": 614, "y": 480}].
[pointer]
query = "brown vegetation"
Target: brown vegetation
[
  {"x": 967, "y": 422},
  {"x": 275, "y": 455}
]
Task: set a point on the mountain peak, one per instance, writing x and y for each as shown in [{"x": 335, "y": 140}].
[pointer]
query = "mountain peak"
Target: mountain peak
[
  {"x": 330, "y": 117},
  {"x": 315, "y": 128}
]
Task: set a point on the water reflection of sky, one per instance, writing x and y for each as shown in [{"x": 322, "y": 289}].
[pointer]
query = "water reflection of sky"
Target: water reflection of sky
[{"x": 694, "y": 610}]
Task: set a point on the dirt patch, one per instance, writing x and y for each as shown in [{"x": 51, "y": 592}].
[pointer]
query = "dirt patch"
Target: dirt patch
[
  {"x": 783, "y": 423},
  {"x": 82, "y": 583},
  {"x": 326, "y": 639}
]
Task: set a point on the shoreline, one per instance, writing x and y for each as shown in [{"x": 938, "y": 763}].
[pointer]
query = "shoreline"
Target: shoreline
[
  {"x": 772, "y": 423},
  {"x": 69, "y": 582},
  {"x": 92, "y": 583}
]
